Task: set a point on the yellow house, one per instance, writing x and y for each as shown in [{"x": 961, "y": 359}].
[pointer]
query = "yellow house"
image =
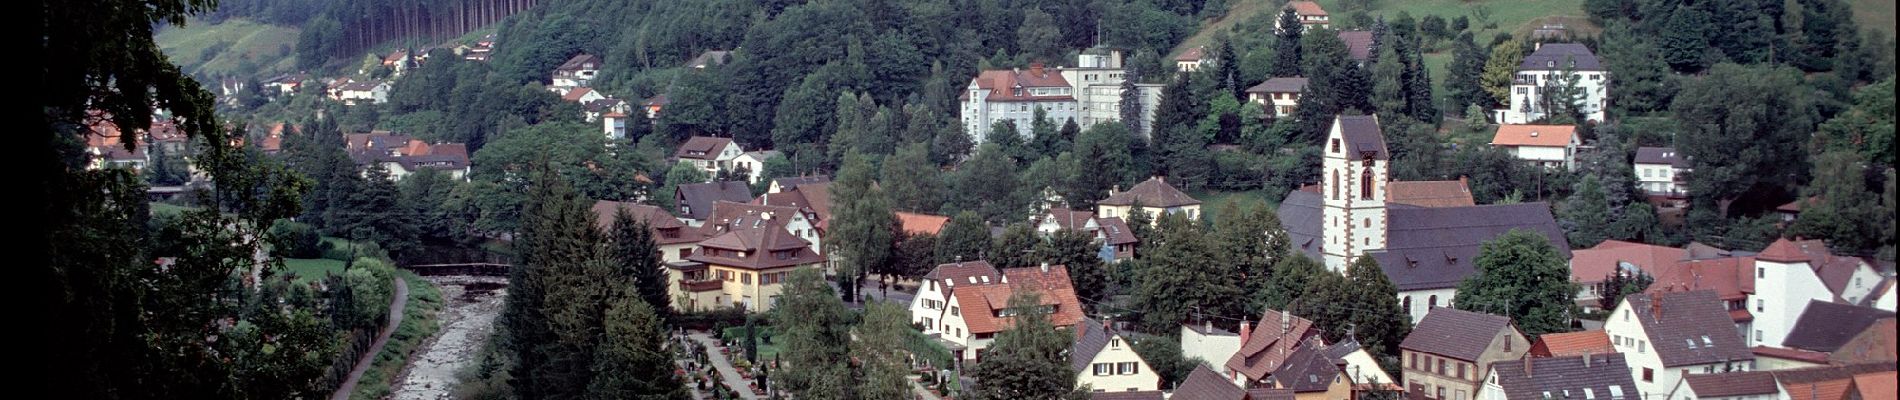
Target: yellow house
[
  {"x": 1154, "y": 196},
  {"x": 744, "y": 267}
]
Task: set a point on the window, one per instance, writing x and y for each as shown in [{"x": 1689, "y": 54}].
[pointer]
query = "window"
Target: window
[
  {"x": 1103, "y": 369},
  {"x": 1760, "y": 304},
  {"x": 1522, "y": 90},
  {"x": 1761, "y": 272},
  {"x": 1335, "y": 175},
  {"x": 1406, "y": 303},
  {"x": 953, "y": 312},
  {"x": 1414, "y": 356},
  {"x": 1642, "y": 346},
  {"x": 1441, "y": 392},
  {"x": 1507, "y": 344},
  {"x": 1367, "y": 222},
  {"x": 1127, "y": 368},
  {"x": 1461, "y": 371},
  {"x": 745, "y": 278},
  {"x": 1441, "y": 367},
  {"x": 1649, "y": 375},
  {"x": 1616, "y": 392},
  {"x": 1589, "y": 394},
  {"x": 1365, "y": 188},
  {"x": 1335, "y": 145},
  {"x": 1431, "y": 302},
  {"x": 1757, "y": 335},
  {"x": 1115, "y": 343}
]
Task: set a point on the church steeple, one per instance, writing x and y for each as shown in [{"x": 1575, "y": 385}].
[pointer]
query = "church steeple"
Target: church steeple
[{"x": 1354, "y": 190}]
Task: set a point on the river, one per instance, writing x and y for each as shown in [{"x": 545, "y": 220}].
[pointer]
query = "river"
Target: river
[{"x": 467, "y": 320}]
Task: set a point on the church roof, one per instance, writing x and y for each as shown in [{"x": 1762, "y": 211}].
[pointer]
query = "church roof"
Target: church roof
[
  {"x": 1426, "y": 248},
  {"x": 1361, "y": 136}
]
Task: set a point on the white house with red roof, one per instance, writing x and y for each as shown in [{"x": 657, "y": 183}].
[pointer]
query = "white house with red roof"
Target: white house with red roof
[
  {"x": 1589, "y": 268},
  {"x": 1791, "y": 273},
  {"x": 1549, "y": 146},
  {"x": 977, "y": 311},
  {"x": 1015, "y": 95},
  {"x": 1310, "y": 14},
  {"x": 1667, "y": 335}
]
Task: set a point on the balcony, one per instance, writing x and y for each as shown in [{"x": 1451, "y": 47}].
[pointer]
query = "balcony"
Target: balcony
[{"x": 701, "y": 286}]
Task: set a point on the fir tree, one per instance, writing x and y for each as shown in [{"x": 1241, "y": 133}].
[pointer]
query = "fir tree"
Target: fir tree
[
  {"x": 632, "y": 362},
  {"x": 639, "y": 261},
  {"x": 1286, "y": 45}
]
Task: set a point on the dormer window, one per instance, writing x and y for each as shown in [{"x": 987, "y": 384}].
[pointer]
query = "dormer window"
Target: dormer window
[{"x": 1550, "y": 64}]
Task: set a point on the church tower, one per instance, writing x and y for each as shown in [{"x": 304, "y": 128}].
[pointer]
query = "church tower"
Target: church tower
[{"x": 1353, "y": 183}]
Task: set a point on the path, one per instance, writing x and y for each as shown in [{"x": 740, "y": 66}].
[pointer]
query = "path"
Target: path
[
  {"x": 918, "y": 388},
  {"x": 396, "y": 305},
  {"x": 473, "y": 303},
  {"x": 726, "y": 372}
]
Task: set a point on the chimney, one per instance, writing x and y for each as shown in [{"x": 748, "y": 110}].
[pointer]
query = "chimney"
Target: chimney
[
  {"x": 1655, "y": 306},
  {"x": 1045, "y": 266},
  {"x": 1113, "y": 189},
  {"x": 1529, "y": 369},
  {"x": 1035, "y": 68},
  {"x": 1246, "y": 331},
  {"x": 1586, "y": 360},
  {"x": 1286, "y": 322}
]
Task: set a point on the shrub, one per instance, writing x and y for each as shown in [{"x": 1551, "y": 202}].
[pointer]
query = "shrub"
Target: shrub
[{"x": 291, "y": 239}]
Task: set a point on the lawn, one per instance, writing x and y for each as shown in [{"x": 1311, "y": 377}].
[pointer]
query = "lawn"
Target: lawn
[
  {"x": 767, "y": 350},
  {"x": 1239, "y": 10},
  {"x": 1212, "y": 201},
  {"x": 168, "y": 208},
  {"x": 308, "y": 269},
  {"x": 247, "y": 47},
  {"x": 1509, "y": 15},
  {"x": 1876, "y": 14}
]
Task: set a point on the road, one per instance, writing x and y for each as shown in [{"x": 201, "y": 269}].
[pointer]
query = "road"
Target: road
[{"x": 396, "y": 304}]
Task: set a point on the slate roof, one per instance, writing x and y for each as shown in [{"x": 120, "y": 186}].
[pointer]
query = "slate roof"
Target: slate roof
[
  {"x": 1307, "y": 369},
  {"x": 1090, "y": 339},
  {"x": 1592, "y": 265},
  {"x": 1154, "y": 192},
  {"x": 1115, "y": 231},
  {"x": 1358, "y": 44},
  {"x": 1434, "y": 248},
  {"x": 1689, "y": 328},
  {"x": 1661, "y": 155},
  {"x": 1277, "y": 336},
  {"x": 1574, "y": 343},
  {"x": 1732, "y": 384},
  {"x": 1141, "y": 395},
  {"x": 788, "y": 183},
  {"x": 666, "y": 229},
  {"x": 1070, "y": 219},
  {"x": 1302, "y": 217},
  {"x": 701, "y": 148},
  {"x": 758, "y": 246},
  {"x": 959, "y": 273},
  {"x": 1285, "y": 84},
  {"x": 1205, "y": 384},
  {"x": 730, "y": 215},
  {"x": 1826, "y": 326},
  {"x": 1534, "y": 135},
  {"x": 1429, "y": 193},
  {"x": 818, "y": 197},
  {"x": 710, "y": 58},
  {"x": 698, "y": 199},
  {"x": 579, "y": 62},
  {"x": 1558, "y": 53},
  {"x": 1194, "y": 54},
  {"x": 1002, "y": 82},
  {"x": 1564, "y": 377},
  {"x": 1362, "y": 137},
  {"x": 1455, "y": 333}
]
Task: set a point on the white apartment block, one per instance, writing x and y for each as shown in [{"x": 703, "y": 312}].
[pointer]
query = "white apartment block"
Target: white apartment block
[{"x": 1543, "y": 69}]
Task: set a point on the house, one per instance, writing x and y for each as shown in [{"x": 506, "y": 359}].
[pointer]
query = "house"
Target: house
[
  {"x": 1572, "y": 344},
  {"x": 1447, "y": 354},
  {"x": 1105, "y": 360},
  {"x": 1266, "y": 349},
  {"x": 1659, "y": 173},
  {"x": 373, "y": 92},
  {"x": 1359, "y": 366},
  {"x": 582, "y": 95},
  {"x": 1792, "y": 210},
  {"x": 1874, "y": 344},
  {"x": 696, "y": 200},
  {"x": 1190, "y": 60},
  {"x": 1781, "y": 358},
  {"x": 613, "y": 125},
  {"x": 578, "y": 71},
  {"x": 1311, "y": 375},
  {"x": 1278, "y": 95},
  {"x": 978, "y": 311},
  {"x": 814, "y": 197},
  {"x": 791, "y": 182},
  {"x": 1863, "y": 381},
  {"x": 933, "y": 291},
  {"x": 1358, "y": 45},
  {"x": 593, "y": 110},
  {"x": 1308, "y": 13},
  {"x": 654, "y": 104},
  {"x": 398, "y": 61},
  {"x": 709, "y": 58},
  {"x": 1585, "y": 376},
  {"x": 1425, "y": 251},
  {"x": 1205, "y": 384},
  {"x": 1590, "y": 268},
  {"x": 710, "y": 154},
  {"x": 675, "y": 239},
  {"x": 287, "y": 84},
  {"x": 1014, "y": 95},
  {"x": 1430, "y": 194},
  {"x": 1542, "y": 72},
  {"x": 913, "y": 224},
  {"x": 1550, "y": 146},
  {"x": 752, "y": 163},
  {"x": 1096, "y": 81},
  {"x": 1790, "y": 274},
  {"x": 1118, "y": 242},
  {"x": 1731, "y": 277},
  {"x": 1666, "y": 335},
  {"x": 1749, "y": 385},
  {"x": 729, "y": 215},
  {"x": 1826, "y": 326},
  {"x": 1205, "y": 342},
  {"x": 403, "y": 155},
  {"x": 1154, "y": 197},
  {"x": 750, "y": 264},
  {"x": 1061, "y": 218}
]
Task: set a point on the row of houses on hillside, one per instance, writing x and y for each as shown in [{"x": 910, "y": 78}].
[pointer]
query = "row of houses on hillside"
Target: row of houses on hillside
[{"x": 402, "y": 155}]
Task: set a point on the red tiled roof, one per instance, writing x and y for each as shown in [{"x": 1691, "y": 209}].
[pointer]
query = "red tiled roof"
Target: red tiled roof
[
  {"x": 1876, "y": 385},
  {"x": 914, "y": 223},
  {"x": 1002, "y": 82},
  {"x": 1790, "y": 354},
  {"x": 1876, "y": 343},
  {"x": 576, "y": 94},
  {"x": 1306, "y": 8},
  {"x": 1794, "y": 207},
  {"x": 1573, "y": 344},
  {"x": 1832, "y": 389},
  {"x": 1732, "y": 278},
  {"x": 1784, "y": 251},
  {"x": 1593, "y": 264},
  {"x": 1429, "y": 193},
  {"x": 1534, "y": 135},
  {"x": 1732, "y": 384},
  {"x": 1194, "y": 54},
  {"x": 981, "y": 302}
]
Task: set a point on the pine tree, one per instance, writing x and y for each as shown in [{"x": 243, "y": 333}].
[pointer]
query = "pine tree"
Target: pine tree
[
  {"x": 557, "y": 234},
  {"x": 1586, "y": 214},
  {"x": 1227, "y": 67},
  {"x": 632, "y": 362},
  {"x": 639, "y": 261},
  {"x": 1286, "y": 45},
  {"x": 1388, "y": 88},
  {"x": 1028, "y": 360},
  {"x": 1131, "y": 104},
  {"x": 1825, "y": 26},
  {"x": 1419, "y": 91},
  {"x": 1621, "y": 283},
  {"x": 1522, "y": 276},
  {"x": 1463, "y": 74},
  {"x": 1685, "y": 39}
]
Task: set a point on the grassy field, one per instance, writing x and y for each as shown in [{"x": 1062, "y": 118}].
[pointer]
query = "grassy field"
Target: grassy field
[
  {"x": 1237, "y": 10},
  {"x": 1212, "y": 201},
  {"x": 235, "y": 46},
  {"x": 308, "y": 269},
  {"x": 168, "y": 208},
  {"x": 1509, "y": 15},
  {"x": 1876, "y": 14}
]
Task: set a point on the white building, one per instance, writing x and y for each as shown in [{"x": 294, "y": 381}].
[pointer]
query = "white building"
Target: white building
[
  {"x": 1666, "y": 335},
  {"x": 1105, "y": 361},
  {"x": 1015, "y": 95},
  {"x": 373, "y": 92},
  {"x": 729, "y": 216},
  {"x": 753, "y": 162},
  {"x": 1543, "y": 70},
  {"x": 1790, "y": 274},
  {"x": 577, "y": 72},
  {"x": 1190, "y": 60},
  {"x": 933, "y": 293},
  {"x": 710, "y": 154},
  {"x": 1659, "y": 171},
  {"x": 1309, "y": 14},
  {"x": 1549, "y": 146},
  {"x": 614, "y": 125},
  {"x": 1097, "y": 80},
  {"x": 1278, "y": 95},
  {"x": 1210, "y": 344},
  {"x": 978, "y": 311}
]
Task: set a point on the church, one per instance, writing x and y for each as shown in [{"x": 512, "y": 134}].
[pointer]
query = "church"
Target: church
[{"x": 1425, "y": 235}]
